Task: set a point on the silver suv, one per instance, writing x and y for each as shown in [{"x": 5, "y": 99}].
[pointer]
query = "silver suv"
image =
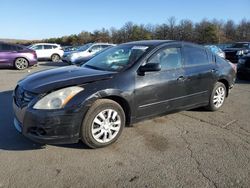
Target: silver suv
[{"x": 85, "y": 51}]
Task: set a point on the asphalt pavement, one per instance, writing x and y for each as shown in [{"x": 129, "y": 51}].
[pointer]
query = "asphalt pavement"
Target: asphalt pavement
[{"x": 195, "y": 148}]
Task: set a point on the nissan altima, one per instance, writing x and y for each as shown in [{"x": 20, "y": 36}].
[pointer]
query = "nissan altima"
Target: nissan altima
[{"x": 121, "y": 86}]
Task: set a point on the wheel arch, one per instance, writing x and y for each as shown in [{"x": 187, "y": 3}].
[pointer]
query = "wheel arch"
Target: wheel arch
[
  {"x": 226, "y": 83},
  {"x": 124, "y": 104}
]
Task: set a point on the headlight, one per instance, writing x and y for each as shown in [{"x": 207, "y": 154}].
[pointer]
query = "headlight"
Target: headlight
[
  {"x": 240, "y": 52},
  {"x": 241, "y": 61},
  {"x": 57, "y": 99},
  {"x": 74, "y": 56}
]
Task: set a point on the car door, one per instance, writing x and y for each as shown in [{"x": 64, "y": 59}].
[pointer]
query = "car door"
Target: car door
[
  {"x": 200, "y": 73},
  {"x": 6, "y": 55},
  {"x": 39, "y": 51},
  {"x": 162, "y": 91},
  {"x": 47, "y": 51}
]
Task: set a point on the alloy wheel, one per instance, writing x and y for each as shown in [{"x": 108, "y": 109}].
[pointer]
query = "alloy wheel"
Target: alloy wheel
[
  {"x": 55, "y": 58},
  {"x": 21, "y": 63},
  {"x": 106, "y": 125},
  {"x": 219, "y": 97}
]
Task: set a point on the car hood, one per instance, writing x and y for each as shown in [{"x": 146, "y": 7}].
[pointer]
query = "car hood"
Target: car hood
[{"x": 45, "y": 81}]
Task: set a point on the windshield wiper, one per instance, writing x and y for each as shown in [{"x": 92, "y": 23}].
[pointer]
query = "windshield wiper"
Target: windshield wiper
[{"x": 92, "y": 67}]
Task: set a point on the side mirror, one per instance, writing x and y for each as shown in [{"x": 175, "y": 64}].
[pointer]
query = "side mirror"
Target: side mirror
[
  {"x": 89, "y": 50},
  {"x": 150, "y": 67}
]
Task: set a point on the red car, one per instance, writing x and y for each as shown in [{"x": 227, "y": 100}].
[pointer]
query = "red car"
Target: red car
[{"x": 16, "y": 56}]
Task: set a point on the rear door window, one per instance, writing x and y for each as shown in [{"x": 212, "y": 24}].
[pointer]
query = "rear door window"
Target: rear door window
[
  {"x": 169, "y": 58},
  {"x": 38, "y": 47},
  {"x": 195, "y": 56},
  {"x": 96, "y": 48},
  {"x": 47, "y": 47},
  {"x": 104, "y": 46}
]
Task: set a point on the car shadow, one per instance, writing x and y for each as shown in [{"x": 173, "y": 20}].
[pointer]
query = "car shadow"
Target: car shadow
[{"x": 10, "y": 139}]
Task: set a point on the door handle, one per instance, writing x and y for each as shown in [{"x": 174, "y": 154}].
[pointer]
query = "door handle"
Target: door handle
[
  {"x": 213, "y": 70},
  {"x": 181, "y": 78}
]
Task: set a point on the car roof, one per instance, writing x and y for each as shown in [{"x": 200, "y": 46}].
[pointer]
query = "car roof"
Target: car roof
[
  {"x": 46, "y": 44},
  {"x": 150, "y": 42},
  {"x": 242, "y": 42},
  {"x": 102, "y": 43},
  {"x": 20, "y": 45}
]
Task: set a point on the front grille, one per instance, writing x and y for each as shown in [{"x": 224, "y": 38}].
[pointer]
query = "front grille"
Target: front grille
[
  {"x": 23, "y": 97},
  {"x": 231, "y": 54},
  {"x": 247, "y": 63}
]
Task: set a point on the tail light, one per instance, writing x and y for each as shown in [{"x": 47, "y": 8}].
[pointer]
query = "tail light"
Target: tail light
[{"x": 34, "y": 53}]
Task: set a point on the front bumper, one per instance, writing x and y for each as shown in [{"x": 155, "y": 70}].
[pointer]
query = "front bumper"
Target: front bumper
[
  {"x": 49, "y": 127},
  {"x": 68, "y": 60}
]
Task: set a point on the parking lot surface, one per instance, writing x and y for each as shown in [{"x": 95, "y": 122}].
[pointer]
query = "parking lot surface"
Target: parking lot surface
[{"x": 193, "y": 148}]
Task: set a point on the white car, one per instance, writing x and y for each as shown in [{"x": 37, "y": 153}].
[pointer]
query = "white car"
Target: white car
[
  {"x": 85, "y": 51},
  {"x": 49, "y": 51}
]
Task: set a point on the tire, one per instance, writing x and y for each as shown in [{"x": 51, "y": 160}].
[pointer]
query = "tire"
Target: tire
[
  {"x": 217, "y": 97},
  {"x": 103, "y": 123},
  {"x": 21, "y": 63},
  {"x": 55, "y": 58}
]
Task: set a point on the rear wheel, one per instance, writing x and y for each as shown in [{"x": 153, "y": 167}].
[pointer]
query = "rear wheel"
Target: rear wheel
[
  {"x": 103, "y": 123},
  {"x": 217, "y": 97},
  {"x": 55, "y": 58},
  {"x": 21, "y": 63}
]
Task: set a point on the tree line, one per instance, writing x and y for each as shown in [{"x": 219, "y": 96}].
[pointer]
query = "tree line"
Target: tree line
[{"x": 203, "y": 32}]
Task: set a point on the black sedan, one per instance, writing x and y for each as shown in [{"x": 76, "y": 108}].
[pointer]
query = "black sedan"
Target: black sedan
[
  {"x": 237, "y": 50},
  {"x": 243, "y": 67},
  {"x": 123, "y": 85}
]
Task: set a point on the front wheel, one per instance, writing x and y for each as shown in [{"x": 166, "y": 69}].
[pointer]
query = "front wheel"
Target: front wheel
[
  {"x": 21, "y": 63},
  {"x": 217, "y": 97},
  {"x": 103, "y": 123}
]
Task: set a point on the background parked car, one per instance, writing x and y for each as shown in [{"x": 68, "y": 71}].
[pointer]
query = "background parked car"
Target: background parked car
[
  {"x": 243, "y": 67},
  {"x": 86, "y": 59},
  {"x": 49, "y": 51},
  {"x": 85, "y": 51},
  {"x": 216, "y": 50},
  {"x": 237, "y": 50},
  {"x": 223, "y": 46},
  {"x": 70, "y": 50},
  {"x": 16, "y": 56}
]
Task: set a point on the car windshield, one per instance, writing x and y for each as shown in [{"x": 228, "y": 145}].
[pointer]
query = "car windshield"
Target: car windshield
[
  {"x": 30, "y": 46},
  {"x": 116, "y": 58},
  {"x": 84, "y": 47},
  {"x": 240, "y": 45}
]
